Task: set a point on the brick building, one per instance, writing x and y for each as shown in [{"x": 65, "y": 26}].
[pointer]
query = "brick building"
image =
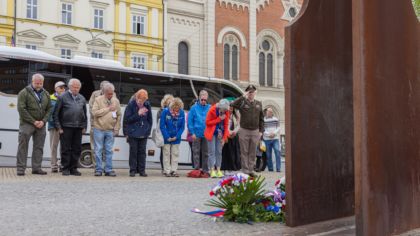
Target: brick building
[{"x": 238, "y": 40}]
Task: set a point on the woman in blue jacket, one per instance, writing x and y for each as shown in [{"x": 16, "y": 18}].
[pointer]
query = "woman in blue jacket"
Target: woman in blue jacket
[
  {"x": 138, "y": 125},
  {"x": 172, "y": 125}
]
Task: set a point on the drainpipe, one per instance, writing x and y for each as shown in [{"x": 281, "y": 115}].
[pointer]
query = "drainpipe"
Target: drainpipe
[
  {"x": 14, "y": 28},
  {"x": 163, "y": 34}
]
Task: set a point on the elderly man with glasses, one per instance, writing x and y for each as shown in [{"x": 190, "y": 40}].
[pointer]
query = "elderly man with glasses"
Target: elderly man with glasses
[{"x": 196, "y": 126}]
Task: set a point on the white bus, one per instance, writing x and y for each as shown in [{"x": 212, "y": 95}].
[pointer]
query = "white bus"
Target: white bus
[{"x": 17, "y": 65}]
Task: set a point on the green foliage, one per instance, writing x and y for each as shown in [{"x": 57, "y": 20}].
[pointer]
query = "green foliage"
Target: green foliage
[
  {"x": 416, "y": 4},
  {"x": 243, "y": 202}
]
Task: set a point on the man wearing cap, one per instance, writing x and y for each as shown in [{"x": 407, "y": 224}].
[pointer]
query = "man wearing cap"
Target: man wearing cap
[
  {"x": 252, "y": 127},
  {"x": 60, "y": 88}
]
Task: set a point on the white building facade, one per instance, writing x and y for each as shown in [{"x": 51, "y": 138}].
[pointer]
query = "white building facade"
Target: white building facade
[{"x": 66, "y": 27}]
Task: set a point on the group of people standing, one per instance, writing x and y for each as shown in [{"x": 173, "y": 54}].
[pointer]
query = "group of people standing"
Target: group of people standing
[
  {"x": 219, "y": 132},
  {"x": 65, "y": 112}
]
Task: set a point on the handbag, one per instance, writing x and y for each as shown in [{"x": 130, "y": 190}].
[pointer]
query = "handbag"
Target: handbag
[
  {"x": 157, "y": 136},
  {"x": 263, "y": 148}
]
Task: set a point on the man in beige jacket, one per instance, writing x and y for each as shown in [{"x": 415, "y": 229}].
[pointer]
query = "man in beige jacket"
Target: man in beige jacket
[{"x": 106, "y": 113}]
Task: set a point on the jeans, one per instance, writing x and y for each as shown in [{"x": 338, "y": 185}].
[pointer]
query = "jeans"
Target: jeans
[
  {"x": 215, "y": 153},
  {"x": 270, "y": 145},
  {"x": 103, "y": 139},
  {"x": 137, "y": 158}
]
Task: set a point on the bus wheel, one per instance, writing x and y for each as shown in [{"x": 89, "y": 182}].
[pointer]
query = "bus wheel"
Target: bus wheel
[{"x": 85, "y": 160}]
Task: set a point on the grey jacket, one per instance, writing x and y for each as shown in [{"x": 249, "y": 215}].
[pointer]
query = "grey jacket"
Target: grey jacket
[{"x": 70, "y": 113}]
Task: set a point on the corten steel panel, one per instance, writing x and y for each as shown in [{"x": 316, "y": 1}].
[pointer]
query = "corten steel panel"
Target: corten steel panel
[
  {"x": 319, "y": 113},
  {"x": 387, "y": 116}
]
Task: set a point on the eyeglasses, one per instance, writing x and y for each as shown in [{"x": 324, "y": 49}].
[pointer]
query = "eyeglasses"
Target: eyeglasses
[{"x": 203, "y": 100}]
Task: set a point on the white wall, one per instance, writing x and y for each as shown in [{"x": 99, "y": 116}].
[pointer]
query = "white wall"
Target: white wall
[{"x": 185, "y": 23}]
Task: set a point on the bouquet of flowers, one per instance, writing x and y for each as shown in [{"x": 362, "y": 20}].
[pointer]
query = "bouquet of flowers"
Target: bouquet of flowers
[{"x": 243, "y": 199}]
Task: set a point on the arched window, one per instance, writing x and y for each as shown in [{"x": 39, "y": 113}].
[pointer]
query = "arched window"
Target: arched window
[
  {"x": 266, "y": 63},
  {"x": 231, "y": 57},
  {"x": 262, "y": 69},
  {"x": 183, "y": 58},
  {"x": 235, "y": 62},
  {"x": 226, "y": 60},
  {"x": 270, "y": 70}
]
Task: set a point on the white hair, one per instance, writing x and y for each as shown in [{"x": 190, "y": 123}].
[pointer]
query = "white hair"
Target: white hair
[
  {"x": 203, "y": 93},
  {"x": 108, "y": 86},
  {"x": 37, "y": 76},
  {"x": 74, "y": 80},
  {"x": 101, "y": 85}
]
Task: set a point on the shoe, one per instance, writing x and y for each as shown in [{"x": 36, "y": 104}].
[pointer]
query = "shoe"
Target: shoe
[
  {"x": 278, "y": 170},
  {"x": 174, "y": 174},
  {"x": 75, "y": 173},
  {"x": 167, "y": 175},
  {"x": 204, "y": 175},
  {"x": 143, "y": 174},
  {"x": 213, "y": 174},
  {"x": 60, "y": 169},
  {"x": 54, "y": 170},
  {"x": 132, "y": 174},
  {"x": 20, "y": 173},
  {"x": 98, "y": 173},
  {"x": 39, "y": 172},
  {"x": 111, "y": 174},
  {"x": 219, "y": 174},
  {"x": 66, "y": 172}
]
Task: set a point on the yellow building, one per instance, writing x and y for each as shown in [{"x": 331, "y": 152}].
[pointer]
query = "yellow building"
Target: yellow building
[
  {"x": 138, "y": 33},
  {"x": 6, "y": 21}
]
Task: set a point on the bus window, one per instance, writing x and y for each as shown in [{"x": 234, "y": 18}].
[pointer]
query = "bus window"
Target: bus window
[
  {"x": 187, "y": 94},
  {"x": 213, "y": 89},
  {"x": 13, "y": 75},
  {"x": 92, "y": 78},
  {"x": 49, "y": 68},
  {"x": 230, "y": 92},
  {"x": 156, "y": 87}
]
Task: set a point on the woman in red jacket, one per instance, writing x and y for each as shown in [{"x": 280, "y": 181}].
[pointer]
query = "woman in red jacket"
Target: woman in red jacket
[{"x": 216, "y": 133}]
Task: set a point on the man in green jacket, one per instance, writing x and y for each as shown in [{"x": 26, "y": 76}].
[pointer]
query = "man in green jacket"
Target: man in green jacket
[{"x": 34, "y": 108}]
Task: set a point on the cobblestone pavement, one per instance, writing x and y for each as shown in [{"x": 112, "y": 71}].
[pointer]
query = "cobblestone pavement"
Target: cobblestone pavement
[{"x": 156, "y": 205}]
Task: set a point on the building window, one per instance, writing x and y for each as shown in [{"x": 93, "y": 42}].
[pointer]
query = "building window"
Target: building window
[
  {"x": 65, "y": 53},
  {"x": 266, "y": 62},
  {"x": 261, "y": 63},
  {"x": 183, "y": 58},
  {"x": 231, "y": 57},
  {"x": 139, "y": 24},
  {"x": 30, "y": 46},
  {"x": 97, "y": 55},
  {"x": 32, "y": 9},
  {"x": 139, "y": 62},
  {"x": 66, "y": 11},
  {"x": 235, "y": 62},
  {"x": 291, "y": 9},
  {"x": 226, "y": 61},
  {"x": 98, "y": 21}
]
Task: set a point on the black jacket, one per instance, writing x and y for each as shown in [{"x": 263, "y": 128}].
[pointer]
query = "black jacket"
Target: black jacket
[{"x": 70, "y": 113}]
